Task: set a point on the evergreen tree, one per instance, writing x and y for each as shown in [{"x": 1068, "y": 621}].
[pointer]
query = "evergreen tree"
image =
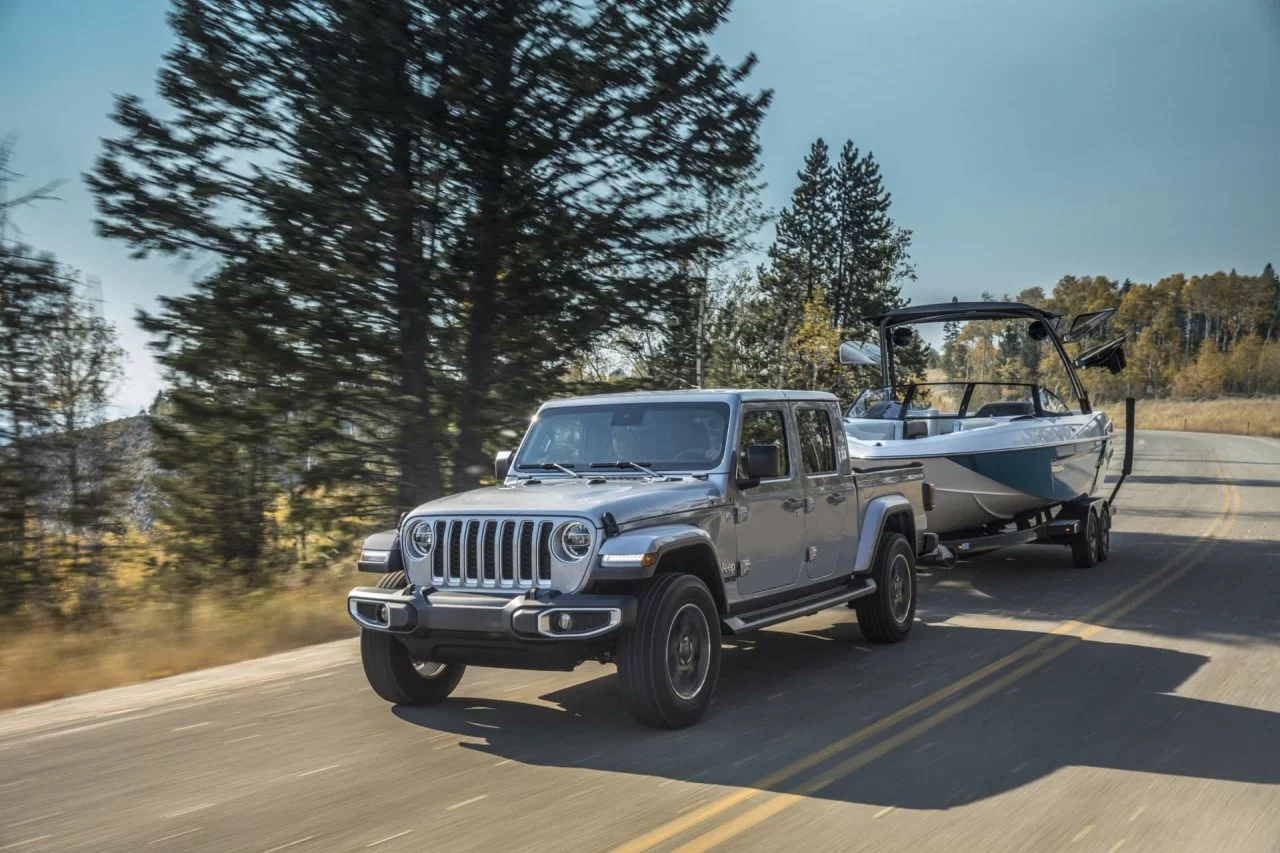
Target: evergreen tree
[
  {"x": 801, "y": 255},
  {"x": 81, "y": 366},
  {"x": 432, "y": 208},
  {"x": 871, "y": 252}
]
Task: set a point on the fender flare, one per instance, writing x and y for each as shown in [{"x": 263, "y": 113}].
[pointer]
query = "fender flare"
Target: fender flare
[
  {"x": 879, "y": 511},
  {"x": 635, "y": 554}
]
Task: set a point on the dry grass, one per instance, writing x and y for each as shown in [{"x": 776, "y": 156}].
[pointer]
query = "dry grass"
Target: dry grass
[
  {"x": 153, "y": 641},
  {"x": 1235, "y": 416}
]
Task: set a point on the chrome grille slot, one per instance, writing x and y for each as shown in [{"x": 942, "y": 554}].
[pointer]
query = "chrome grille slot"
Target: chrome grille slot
[
  {"x": 507, "y": 572},
  {"x": 544, "y": 551},
  {"x": 471, "y": 568},
  {"x": 492, "y": 553},
  {"x": 490, "y": 550},
  {"x": 524, "y": 565},
  {"x": 437, "y": 553},
  {"x": 455, "y": 551}
]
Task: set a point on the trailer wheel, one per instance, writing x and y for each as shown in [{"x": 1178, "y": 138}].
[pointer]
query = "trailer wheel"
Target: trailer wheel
[
  {"x": 1104, "y": 534},
  {"x": 886, "y": 615},
  {"x": 396, "y": 675},
  {"x": 1085, "y": 545},
  {"x": 669, "y": 661}
]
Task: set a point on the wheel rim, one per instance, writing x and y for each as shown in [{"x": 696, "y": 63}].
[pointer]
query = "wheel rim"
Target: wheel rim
[
  {"x": 427, "y": 668},
  {"x": 688, "y": 651},
  {"x": 1104, "y": 537},
  {"x": 900, "y": 589}
]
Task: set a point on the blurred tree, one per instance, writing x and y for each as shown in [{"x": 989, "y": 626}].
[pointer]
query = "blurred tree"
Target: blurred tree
[
  {"x": 81, "y": 363},
  {"x": 432, "y": 208}
]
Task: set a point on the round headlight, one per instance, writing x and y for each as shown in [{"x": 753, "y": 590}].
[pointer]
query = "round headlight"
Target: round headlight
[
  {"x": 420, "y": 537},
  {"x": 575, "y": 540}
]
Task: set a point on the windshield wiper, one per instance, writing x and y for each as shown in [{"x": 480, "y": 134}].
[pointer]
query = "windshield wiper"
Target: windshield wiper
[
  {"x": 552, "y": 466},
  {"x": 625, "y": 463}
]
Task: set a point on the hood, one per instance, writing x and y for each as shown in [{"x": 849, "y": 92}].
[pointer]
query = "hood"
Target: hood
[{"x": 628, "y": 499}]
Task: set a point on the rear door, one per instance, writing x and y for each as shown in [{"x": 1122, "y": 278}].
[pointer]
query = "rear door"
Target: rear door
[
  {"x": 770, "y": 538},
  {"x": 827, "y": 494}
]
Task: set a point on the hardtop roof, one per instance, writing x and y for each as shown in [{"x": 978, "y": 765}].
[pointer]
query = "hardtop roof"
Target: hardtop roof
[{"x": 745, "y": 395}]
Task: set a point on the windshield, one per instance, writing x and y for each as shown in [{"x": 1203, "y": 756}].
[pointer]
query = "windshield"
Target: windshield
[{"x": 676, "y": 436}]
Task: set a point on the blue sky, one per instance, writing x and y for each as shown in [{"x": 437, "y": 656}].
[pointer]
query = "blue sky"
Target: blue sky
[{"x": 1021, "y": 141}]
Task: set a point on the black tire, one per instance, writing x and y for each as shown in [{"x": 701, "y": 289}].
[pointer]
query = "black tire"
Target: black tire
[
  {"x": 886, "y": 615},
  {"x": 1104, "y": 534},
  {"x": 1084, "y": 545},
  {"x": 676, "y": 640},
  {"x": 394, "y": 674}
]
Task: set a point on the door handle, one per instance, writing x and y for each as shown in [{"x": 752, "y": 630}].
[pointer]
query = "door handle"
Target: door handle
[
  {"x": 837, "y": 498},
  {"x": 791, "y": 504}
]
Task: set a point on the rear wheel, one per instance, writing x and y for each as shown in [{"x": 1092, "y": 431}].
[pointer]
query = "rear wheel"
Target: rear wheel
[
  {"x": 1104, "y": 534},
  {"x": 886, "y": 615},
  {"x": 1084, "y": 545},
  {"x": 397, "y": 676},
  {"x": 669, "y": 661}
]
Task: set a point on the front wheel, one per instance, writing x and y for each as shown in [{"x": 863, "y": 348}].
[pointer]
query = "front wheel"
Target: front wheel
[
  {"x": 396, "y": 675},
  {"x": 669, "y": 661},
  {"x": 886, "y": 615}
]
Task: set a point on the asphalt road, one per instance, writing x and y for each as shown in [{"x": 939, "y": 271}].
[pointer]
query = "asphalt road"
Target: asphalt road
[{"x": 1133, "y": 706}]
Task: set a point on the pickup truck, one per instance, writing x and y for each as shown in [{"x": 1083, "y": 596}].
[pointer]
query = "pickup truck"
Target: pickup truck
[{"x": 639, "y": 529}]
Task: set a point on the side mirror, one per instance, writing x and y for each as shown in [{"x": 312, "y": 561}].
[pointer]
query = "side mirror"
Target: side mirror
[
  {"x": 763, "y": 462},
  {"x": 502, "y": 465}
]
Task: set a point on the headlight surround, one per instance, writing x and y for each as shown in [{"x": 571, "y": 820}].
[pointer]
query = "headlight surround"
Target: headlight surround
[
  {"x": 573, "y": 540},
  {"x": 419, "y": 538}
]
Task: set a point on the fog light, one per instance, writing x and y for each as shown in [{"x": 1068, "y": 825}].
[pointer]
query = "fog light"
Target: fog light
[
  {"x": 383, "y": 616},
  {"x": 564, "y": 621}
]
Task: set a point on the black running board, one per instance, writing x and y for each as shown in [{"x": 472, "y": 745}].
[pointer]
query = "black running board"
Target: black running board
[{"x": 858, "y": 588}]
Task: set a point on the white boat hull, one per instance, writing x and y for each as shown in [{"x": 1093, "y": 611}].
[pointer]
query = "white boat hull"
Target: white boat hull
[{"x": 998, "y": 473}]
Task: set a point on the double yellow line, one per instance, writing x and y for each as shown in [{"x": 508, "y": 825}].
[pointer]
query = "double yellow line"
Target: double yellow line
[{"x": 1033, "y": 656}]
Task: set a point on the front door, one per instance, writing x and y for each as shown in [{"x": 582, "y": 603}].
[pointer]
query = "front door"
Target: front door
[
  {"x": 770, "y": 549},
  {"x": 827, "y": 495}
]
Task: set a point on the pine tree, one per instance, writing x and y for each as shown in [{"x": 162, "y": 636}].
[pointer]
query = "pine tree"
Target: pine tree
[
  {"x": 801, "y": 255},
  {"x": 31, "y": 290},
  {"x": 449, "y": 202},
  {"x": 872, "y": 252}
]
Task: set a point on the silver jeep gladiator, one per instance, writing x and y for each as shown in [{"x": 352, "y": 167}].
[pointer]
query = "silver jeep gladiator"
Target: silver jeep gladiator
[{"x": 639, "y": 529}]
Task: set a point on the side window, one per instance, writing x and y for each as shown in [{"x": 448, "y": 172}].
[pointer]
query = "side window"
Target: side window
[
  {"x": 764, "y": 426},
  {"x": 817, "y": 446}
]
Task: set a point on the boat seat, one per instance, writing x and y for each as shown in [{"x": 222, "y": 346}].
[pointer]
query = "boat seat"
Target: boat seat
[{"x": 1005, "y": 409}]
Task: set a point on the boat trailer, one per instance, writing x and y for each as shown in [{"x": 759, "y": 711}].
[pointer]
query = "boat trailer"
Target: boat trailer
[{"x": 1083, "y": 524}]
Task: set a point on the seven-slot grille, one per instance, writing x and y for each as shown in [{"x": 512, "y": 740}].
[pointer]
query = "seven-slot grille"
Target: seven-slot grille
[{"x": 503, "y": 553}]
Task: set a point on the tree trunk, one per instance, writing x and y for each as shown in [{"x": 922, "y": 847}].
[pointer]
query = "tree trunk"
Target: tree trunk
[
  {"x": 420, "y": 476},
  {"x": 476, "y": 418}
]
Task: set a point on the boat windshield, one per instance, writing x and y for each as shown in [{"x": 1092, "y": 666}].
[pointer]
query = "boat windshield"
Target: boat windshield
[
  {"x": 924, "y": 400},
  {"x": 660, "y": 436}
]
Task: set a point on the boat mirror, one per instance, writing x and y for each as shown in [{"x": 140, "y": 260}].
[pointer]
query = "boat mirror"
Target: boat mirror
[
  {"x": 764, "y": 461},
  {"x": 863, "y": 355},
  {"x": 1109, "y": 355},
  {"x": 1083, "y": 324}
]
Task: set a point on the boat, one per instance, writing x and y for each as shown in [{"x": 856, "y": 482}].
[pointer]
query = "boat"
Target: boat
[{"x": 997, "y": 453}]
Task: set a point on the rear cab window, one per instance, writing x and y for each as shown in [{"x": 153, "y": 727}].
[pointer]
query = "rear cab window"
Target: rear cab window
[{"x": 817, "y": 442}]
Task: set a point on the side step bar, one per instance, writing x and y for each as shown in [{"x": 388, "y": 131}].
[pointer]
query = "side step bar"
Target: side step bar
[{"x": 859, "y": 588}]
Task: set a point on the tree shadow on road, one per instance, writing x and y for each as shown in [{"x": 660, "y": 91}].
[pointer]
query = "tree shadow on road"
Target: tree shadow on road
[{"x": 786, "y": 694}]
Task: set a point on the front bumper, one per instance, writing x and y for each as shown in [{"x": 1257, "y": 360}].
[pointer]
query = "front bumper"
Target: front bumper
[{"x": 538, "y": 617}]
